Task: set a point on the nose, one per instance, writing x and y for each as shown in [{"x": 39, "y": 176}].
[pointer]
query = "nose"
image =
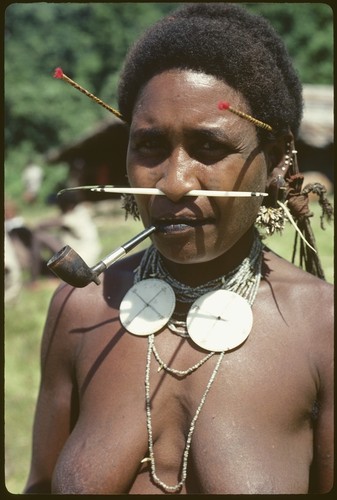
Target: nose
[{"x": 178, "y": 175}]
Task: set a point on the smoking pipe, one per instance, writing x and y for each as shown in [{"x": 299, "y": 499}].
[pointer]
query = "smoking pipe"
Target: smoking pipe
[{"x": 71, "y": 268}]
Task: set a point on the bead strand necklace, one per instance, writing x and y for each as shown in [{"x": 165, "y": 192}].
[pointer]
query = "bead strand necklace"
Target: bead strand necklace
[
  {"x": 244, "y": 280},
  {"x": 155, "y": 478},
  {"x": 173, "y": 371}
]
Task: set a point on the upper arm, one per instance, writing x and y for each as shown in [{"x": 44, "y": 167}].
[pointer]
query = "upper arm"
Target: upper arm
[
  {"x": 321, "y": 480},
  {"x": 56, "y": 403}
]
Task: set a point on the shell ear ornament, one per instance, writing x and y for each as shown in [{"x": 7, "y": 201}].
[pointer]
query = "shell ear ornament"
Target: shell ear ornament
[{"x": 271, "y": 216}]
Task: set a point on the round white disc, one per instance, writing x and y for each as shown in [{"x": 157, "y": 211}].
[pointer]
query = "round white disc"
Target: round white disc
[
  {"x": 147, "y": 307},
  {"x": 219, "y": 321}
]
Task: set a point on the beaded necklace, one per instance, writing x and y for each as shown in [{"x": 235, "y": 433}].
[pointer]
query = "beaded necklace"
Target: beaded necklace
[
  {"x": 155, "y": 478},
  {"x": 244, "y": 280}
]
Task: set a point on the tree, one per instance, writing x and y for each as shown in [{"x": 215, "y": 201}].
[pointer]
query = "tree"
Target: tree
[
  {"x": 307, "y": 30},
  {"x": 90, "y": 40}
]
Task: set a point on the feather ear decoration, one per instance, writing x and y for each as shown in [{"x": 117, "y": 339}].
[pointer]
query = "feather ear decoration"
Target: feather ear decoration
[{"x": 298, "y": 207}]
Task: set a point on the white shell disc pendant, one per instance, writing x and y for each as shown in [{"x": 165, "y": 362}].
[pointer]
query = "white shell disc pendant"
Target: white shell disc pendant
[
  {"x": 219, "y": 321},
  {"x": 147, "y": 307}
]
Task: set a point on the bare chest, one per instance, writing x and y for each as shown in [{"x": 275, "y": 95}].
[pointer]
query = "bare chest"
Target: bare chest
[{"x": 240, "y": 419}]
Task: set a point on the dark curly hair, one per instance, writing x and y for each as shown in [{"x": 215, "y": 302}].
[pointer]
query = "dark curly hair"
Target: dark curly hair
[{"x": 228, "y": 42}]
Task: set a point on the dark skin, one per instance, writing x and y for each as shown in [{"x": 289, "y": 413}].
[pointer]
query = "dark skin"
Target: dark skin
[{"x": 266, "y": 426}]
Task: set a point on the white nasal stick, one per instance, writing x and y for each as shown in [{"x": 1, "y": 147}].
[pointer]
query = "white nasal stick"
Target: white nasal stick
[{"x": 158, "y": 192}]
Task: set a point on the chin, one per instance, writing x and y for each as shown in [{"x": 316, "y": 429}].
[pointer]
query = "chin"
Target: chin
[{"x": 188, "y": 253}]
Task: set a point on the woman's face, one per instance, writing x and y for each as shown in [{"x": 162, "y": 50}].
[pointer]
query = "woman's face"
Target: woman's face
[{"x": 180, "y": 140}]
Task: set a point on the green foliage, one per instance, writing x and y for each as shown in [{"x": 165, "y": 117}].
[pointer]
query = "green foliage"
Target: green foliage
[
  {"x": 307, "y": 30},
  {"x": 89, "y": 41},
  {"x": 24, "y": 323}
]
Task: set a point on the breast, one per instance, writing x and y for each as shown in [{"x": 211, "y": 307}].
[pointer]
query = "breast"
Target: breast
[
  {"x": 252, "y": 435},
  {"x": 109, "y": 440},
  {"x": 101, "y": 459},
  {"x": 251, "y": 461}
]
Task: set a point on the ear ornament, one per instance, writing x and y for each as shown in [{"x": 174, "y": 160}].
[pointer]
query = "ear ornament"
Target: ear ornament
[{"x": 288, "y": 201}]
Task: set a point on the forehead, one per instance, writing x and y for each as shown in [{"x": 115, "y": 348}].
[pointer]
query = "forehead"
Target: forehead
[{"x": 187, "y": 96}]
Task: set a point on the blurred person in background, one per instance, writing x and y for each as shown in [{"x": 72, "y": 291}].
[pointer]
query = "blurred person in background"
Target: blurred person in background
[
  {"x": 32, "y": 178},
  {"x": 74, "y": 226}
]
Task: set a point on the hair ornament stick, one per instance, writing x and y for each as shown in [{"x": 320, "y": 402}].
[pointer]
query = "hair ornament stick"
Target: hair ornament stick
[
  {"x": 60, "y": 75},
  {"x": 223, "y": 105},
  {"x": 158, "y": 192}
]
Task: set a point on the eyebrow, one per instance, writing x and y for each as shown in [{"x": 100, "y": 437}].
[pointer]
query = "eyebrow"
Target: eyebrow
[
  {"x": 210, "y": 133},
  {"x": 145, "y": 132},
  {"x": 218, "y": 133}
]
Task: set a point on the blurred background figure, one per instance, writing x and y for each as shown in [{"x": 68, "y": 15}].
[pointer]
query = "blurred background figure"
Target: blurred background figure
[
  {"x": 74, "y": 226},
  {"x": 14, "y": 249},
  {"x": 31, "y": 246},
  {"x": 32, "y": 178},
  {"x": 12, "y": 274}
]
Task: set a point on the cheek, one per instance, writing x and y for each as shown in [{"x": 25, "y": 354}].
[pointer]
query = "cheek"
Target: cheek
[
  {"x": 143, "y": 202},
  {"x": 238, "y": 213},
  {"x": 130, "y": 170},
  {"x": 140, "y": 176},
  {"x": 238, "y": 176},
  {"x": 256, "y": 178},
  {"x": 263, "y": 177},
  {"x": 247, "y": 211}
]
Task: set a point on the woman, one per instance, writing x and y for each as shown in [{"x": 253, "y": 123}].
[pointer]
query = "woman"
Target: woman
[{"x": 238, "y": 384}]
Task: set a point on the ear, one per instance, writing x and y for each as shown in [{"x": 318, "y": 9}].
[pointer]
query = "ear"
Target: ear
[{"x": 278, "y": 160}]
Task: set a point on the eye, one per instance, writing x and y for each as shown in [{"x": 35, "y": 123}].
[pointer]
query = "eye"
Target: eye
[
  {"x": 147, "y": 143},
  {"x": 210, "y": 151},
  {"x": 211, "y": 146}
]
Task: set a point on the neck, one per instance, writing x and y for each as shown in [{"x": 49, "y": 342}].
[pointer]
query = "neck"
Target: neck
[{"x": 197, "y": 274}]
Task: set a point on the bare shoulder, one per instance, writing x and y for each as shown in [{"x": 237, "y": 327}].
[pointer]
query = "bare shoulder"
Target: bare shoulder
[
  {"x": 307, "y": 301},
  {"x": 73, "y": 310},
  {"x": 298, "y": 283},
  {"x": 302, "y": 306},
  {"x": 69, "y": 298}
]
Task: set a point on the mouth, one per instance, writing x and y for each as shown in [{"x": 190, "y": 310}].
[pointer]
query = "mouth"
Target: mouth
[{"x": 177, "y": 225}]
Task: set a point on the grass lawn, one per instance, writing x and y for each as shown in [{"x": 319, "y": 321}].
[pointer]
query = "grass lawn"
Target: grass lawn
[{"x": 24, "y": 321}]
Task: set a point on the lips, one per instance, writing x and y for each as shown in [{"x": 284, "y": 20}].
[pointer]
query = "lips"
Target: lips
[{"x": 179, "y": 224}]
